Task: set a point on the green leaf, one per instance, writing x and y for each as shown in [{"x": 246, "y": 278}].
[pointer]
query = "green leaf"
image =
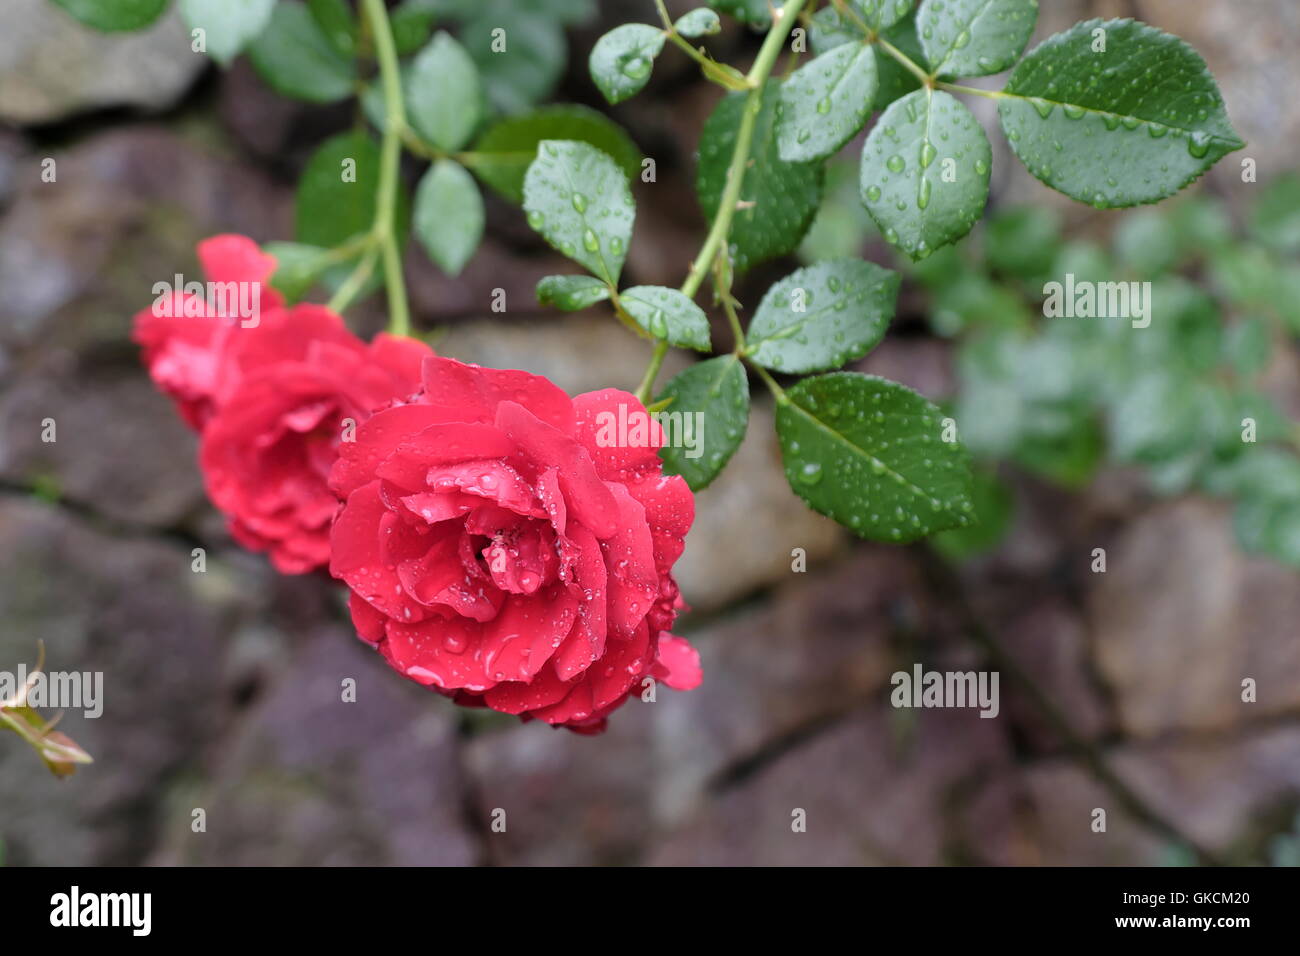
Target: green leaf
[
  {"x": 449, "y": 215},
  {"x": 717, "y": 390},
  {"x": 995, "y": 506},
  {"x": 669, "y": 315},
  {"x": 110, "y": 16},
  {"x": 623, "y": 58},
  {"x": 779, "y": 199},
  {"x": 1107, "y": 128},
  {"x": 228, "y": 25},
  {"x": 579, "y": 200},
  {"x": 825, "y": 102},
  {"x": 893, "y": 79},
  {"x": 412, "y": 22},
  {"x": 757, "y": 13},
  {"x": 1275, "y": 216},
  {"x": 1024, "y": 241},
  {"x": 444, "y": 94},
  {"x": 337, "y": 192},
  {"x": 975, "y": 37},
  {"x": 530, "y": 64},
  {"x": 918, "y": 144},
  {"x": 700, "y": 22},
  {"x": 823, "y": 316},
  {"x": 507, "y": 149},
  {"x": 297, "y": 267},
  {"x": 296, "y": 59},
  {"x": 881, "y": 14},
  {"x": 870, "y": 454},
  {"x": 1147, "y": 243},
  {"x": 1248, "y": 346},
  {"x": 339, "y": 25},
  {"x": 571, "y": 293}
]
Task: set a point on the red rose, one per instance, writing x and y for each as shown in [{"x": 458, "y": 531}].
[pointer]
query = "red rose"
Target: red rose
[
  {"x": 185, "y": 339},
  {"x": 271, "y": 394},
  {"x": 498, "y": 553}
]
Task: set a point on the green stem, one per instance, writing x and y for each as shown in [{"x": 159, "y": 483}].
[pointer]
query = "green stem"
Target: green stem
[
  {"x": 757, "y": 79},
  {"x": 777, "y": 391},
  {"x": 908, "y": 63},
  {"x": 713, "y": 244},
  {"x": 975, "y": 91},
  {"x": 355, "y": 281},
  {"x": 399, "y": 322},
  {"x": 652, "y": 372}
]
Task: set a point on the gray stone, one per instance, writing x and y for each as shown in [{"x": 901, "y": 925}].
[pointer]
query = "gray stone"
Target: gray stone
[
  {"x": 53, "y": 67},
  {"x": 311, "y": 779}
]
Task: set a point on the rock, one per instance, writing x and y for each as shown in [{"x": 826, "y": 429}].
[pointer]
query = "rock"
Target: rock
[
  {"x": 748, "y": 522},
  {"x": 120, "y": 447},
  {"x": 120, "y": 200},
  {"x": 311, "y": 779},
  {"x": 131, "y": 608},
  {"x": 1181, "y": 617},
  {"x": 52, "y": 67},
  {"x": 775, "y": 677},
  {"x": 1220, "y": 792},
  {"x": 863, "y": 797}
]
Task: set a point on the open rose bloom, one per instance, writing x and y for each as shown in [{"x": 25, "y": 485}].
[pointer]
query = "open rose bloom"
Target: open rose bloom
[
  {"x": 497, "y": 553},
  {"x": 271, "y": 395}
]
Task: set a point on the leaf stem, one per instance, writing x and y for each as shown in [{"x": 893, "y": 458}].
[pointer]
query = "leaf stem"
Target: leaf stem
[
  {"x": 777, "y": 391},
  {"x": 975, "y": 91},
  {"x": 908, "y": 63},
  {"x": 721, "y": 228},
  {"x": 652, "y": 372},
  {"x": 399, "y": 321},
  {"x": 355, "y": 281}
]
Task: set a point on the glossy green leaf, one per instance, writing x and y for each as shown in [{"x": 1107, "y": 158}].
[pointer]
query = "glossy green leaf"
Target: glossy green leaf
[
  {"x": 579, "y": 200},
  {"x": 443, "y": 93},
  {"x": 975, "y": 37},
  {"x": 297, "y": 267},
  {"x": 995, "y": 508},
  {"x": 757, "y": 13},
  {"x": 622, "y": 60},
  {"x": 716, "y": 390},
  {"x": 778, "y": 199},
  {"x": 504, "y": 153},
  {"x": 336, "y": 195},
  {"x": 880, "y": 15},
  {"x": 822, "y": 316},
  {"x": 571, "y": 293},
  {"x": 925, "y": 172},
  {"x": 700, "y": 22},
  {"x": 449, "y": 215},
  {"x": 228, "y": 25},
  {"x": 669, "y": 315},
  {"x": 871, "y": 454},
  {"x": 339, "y": 24},
  {"x": 113, "y": 15},
  {"x": 826, "y": 102},
  {"x": 1130, "y": 125},
  {"x": 296, "y": 59}
]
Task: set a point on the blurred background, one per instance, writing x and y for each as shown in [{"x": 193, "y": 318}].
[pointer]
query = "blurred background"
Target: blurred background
[{"x": 1120, "y": 690}]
